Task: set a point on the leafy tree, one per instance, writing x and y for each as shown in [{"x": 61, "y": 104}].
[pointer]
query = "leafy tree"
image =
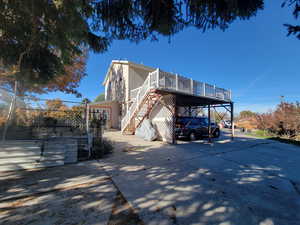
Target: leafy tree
[
  {"x": 40, "y": 39},
  {"x": 100, "y": 98},
  {"x": 246, "y": 114},
  {"x": 86, "y": 101},
  {"x": 67, "y": 82},
  {"x": 56, "y": 109},
  {"x": 55, "y": 104}
]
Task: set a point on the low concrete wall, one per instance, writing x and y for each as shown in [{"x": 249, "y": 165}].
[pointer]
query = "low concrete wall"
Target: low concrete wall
[
  {"x": 18, "y": 155},
  {"x": 66, "y": 146}
]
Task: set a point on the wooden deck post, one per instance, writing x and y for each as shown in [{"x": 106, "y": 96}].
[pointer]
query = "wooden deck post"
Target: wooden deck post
[{"x": 174, "y": 120}]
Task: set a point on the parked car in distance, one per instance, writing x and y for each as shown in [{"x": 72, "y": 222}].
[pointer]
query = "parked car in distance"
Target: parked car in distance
[
  {"x": 194, "y": 127},
  {"x": 227, "y": 123}
]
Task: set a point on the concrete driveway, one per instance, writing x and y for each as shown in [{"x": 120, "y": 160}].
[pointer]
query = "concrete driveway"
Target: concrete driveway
[{"x": 245, "y": 181}]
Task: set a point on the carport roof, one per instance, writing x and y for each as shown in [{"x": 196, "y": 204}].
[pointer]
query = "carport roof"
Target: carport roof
[{"x": 184, "y": 99}]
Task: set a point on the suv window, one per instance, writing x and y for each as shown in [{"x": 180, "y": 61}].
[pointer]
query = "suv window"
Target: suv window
[
  {"x": 195, "y": 122},
  {"x": 204, "y": 121}
]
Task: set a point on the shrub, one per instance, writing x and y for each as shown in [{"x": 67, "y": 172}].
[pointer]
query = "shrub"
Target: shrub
[{"x": 101, "y": 147}]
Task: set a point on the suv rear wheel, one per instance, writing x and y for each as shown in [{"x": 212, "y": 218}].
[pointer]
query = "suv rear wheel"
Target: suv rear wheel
[
  {"x": 217, "y": 133},
  {"x": 192, "y": 136}
]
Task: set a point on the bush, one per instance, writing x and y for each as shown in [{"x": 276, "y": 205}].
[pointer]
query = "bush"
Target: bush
[
  {"x": 101, "y": 147},
  {"x": 284, "y": 121},
  {"x": 262, "y": 133}
]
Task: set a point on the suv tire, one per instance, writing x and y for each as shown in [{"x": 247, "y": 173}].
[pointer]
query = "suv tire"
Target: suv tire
[
  {"x": 192, "y": 136},
  {"x": 216, "y": 133}
]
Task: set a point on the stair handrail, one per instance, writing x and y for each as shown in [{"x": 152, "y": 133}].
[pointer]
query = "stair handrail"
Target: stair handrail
[{"x": 143, "y": 90}]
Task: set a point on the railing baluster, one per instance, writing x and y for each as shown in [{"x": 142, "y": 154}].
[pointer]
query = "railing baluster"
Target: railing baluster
[
  {"x": 157, "y": 71},
  {"x": 214, "y": 91}
]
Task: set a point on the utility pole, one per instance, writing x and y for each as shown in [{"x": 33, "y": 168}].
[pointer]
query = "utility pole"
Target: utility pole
[{"x": 10, "y": 112}]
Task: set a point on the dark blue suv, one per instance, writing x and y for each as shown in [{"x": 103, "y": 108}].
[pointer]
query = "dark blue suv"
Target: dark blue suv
[{"x": 194, "y": 127}]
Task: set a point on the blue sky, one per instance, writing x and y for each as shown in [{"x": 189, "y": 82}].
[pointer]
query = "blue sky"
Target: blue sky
[{"x": 253, "y": 58}]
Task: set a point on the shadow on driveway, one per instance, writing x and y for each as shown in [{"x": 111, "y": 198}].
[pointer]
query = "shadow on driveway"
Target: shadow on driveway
[{"x": 245, "y": 181}]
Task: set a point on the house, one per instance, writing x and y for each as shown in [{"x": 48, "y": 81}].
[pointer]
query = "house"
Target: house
[
  {"x": 121, "y": 78},
  {"x": 135, "y": 92}
]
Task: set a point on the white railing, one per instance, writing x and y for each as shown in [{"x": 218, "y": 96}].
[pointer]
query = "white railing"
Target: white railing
[
  {"x": 134, "y": 92},
  {"x": 173, "y": 82},
  {"x": 150, "y": 82},
  {"x": 178, "y": 83}
]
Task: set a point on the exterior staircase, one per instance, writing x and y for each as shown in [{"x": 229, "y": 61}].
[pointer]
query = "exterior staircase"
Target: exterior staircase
[
  {"x": 142, "y": 112},
  {"x": 142, "y": 105}
]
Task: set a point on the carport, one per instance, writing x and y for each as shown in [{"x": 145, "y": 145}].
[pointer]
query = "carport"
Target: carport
[{"x": 192, "y": 104}]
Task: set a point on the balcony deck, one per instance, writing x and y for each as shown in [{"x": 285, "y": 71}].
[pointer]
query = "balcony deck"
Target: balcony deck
[{"x": 188, "y": 92}]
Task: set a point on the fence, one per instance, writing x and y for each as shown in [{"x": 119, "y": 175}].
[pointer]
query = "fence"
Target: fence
[{"x": 28, "y": 118}]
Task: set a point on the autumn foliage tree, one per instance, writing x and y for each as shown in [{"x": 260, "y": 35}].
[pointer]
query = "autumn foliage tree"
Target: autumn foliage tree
[
  {"x": 67, "y": 82},
  {"x": 284, "y": 120}
]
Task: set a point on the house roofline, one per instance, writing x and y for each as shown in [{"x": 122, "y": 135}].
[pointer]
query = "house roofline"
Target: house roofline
[{"x": 125, "y": 62}]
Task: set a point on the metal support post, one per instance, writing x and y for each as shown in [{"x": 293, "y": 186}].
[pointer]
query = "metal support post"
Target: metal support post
[
  {"x": 209, "y": 125},
  {"x": 231, "y": 120}
]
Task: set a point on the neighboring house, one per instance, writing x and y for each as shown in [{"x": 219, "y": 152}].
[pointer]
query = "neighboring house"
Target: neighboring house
[{"x": 135, "y": 92}]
